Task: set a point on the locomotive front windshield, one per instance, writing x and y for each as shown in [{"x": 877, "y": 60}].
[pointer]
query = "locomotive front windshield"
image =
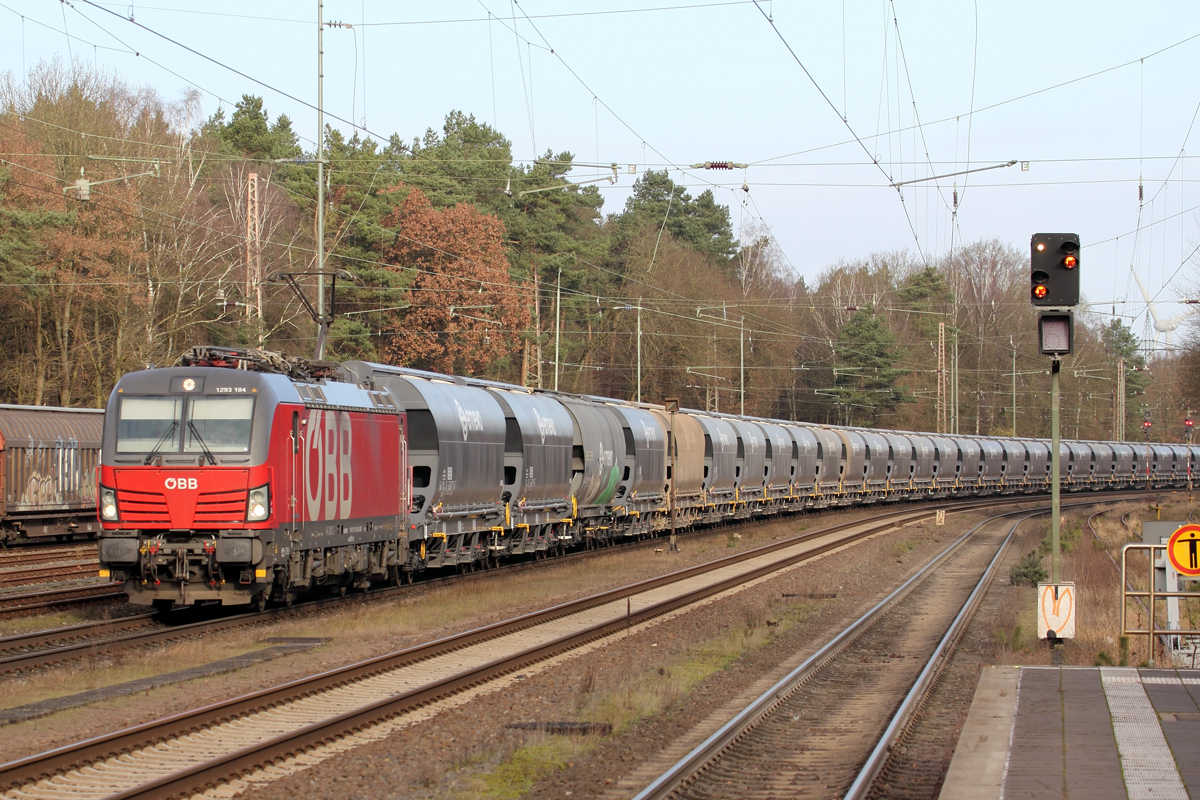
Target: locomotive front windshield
[
  {"x": 165, "y": 425},
  {"x": 145, "y": 423},
  {"x": 222, "y": 424}
]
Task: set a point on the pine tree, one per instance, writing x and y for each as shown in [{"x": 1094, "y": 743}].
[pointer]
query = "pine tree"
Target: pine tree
[{"x": 867, "y": 378}]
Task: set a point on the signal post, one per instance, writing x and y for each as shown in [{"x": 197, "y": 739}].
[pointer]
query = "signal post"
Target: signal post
[{"x": 1054, "y": 279}]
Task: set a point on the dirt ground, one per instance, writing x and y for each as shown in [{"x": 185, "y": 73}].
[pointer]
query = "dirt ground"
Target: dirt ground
[
  {"x": 355, "y": 633},
  {"x": 651, "y": 686},
  {"x": 469, "y": 752}
]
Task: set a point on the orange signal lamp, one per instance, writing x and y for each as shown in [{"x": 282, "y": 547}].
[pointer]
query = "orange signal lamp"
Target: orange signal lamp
[
  {"x": 1040, "y": 291},
  {"x": 1070, "y": 261}
]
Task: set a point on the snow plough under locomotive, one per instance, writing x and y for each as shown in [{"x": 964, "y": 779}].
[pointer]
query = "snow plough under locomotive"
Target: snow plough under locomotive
[{"x": 240, "y": 475}]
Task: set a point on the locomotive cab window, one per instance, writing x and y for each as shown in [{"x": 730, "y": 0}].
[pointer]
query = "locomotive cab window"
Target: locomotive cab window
[
  {"x": 168, "y": 425},
  {"x": 222, "y": 424},
  {"x": 147, "y": 423}
]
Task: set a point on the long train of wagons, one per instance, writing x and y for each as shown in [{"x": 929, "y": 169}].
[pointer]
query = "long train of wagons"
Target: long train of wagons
[{"x": 241, "y": 476}]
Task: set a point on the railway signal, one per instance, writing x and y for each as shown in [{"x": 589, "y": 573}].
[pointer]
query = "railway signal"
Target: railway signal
[
  {"x": 1054, "y": 269},
  {"x": 1054, "y": 284},
  {"x": 1187, "y": 427}
]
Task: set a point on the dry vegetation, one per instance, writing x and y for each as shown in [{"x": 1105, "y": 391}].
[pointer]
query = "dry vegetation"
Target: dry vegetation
[{"x": 1090, "y": 559}]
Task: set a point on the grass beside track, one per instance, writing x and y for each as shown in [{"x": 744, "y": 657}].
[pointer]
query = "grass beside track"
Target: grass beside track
[
  {"x": 1088, "y": 561},
  {"x": 634, "y": 698}
]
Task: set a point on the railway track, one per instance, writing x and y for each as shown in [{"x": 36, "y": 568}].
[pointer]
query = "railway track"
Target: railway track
[
  {"x": 188, "y": 752},
  {"x": 59, "y": 645},
  {"x": 51, "y": 600},
  {"x": 44, "y": 554},
  {"x": 47, "y": 574},
  {"x": 827, "y": 728},
  {"x": 178, "y": 755}
]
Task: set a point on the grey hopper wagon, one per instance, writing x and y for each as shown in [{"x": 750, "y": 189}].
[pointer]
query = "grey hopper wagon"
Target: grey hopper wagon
[
  {"x": 537, "y": 470},
  {"x": 779, "y": 464},
  {"x": 751, "y": 463},
  {"x": 456, "y": 437},
  {"x": 806, "y": 448},
  {"x": 720, "y": 466},
  {"x": 643, "y": 487}
]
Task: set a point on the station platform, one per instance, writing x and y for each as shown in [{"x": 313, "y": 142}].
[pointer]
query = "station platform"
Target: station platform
[{"x": 1080, "y": 732}]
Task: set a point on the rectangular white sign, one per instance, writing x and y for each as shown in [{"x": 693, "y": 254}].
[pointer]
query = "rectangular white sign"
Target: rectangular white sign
[{"x": 1056, "y": 610}]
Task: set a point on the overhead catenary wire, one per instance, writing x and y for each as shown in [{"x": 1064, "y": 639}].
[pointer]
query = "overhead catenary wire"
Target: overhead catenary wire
[
  {"x": 846, "y": 123},
  {"x": 914, "y": 161},
  {"x": 999, "y": 103},
  {"x": 446, "y": 21}
]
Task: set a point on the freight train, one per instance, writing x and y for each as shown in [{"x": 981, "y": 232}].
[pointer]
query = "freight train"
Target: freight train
[
  {"x": 240, "y": 476},
  {"x": 48, "y": 463}
]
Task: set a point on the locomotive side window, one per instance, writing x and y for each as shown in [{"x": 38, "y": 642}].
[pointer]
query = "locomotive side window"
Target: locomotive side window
[
  {"x": 220, "y": 423},
  {"x": 148, "y": 423}
]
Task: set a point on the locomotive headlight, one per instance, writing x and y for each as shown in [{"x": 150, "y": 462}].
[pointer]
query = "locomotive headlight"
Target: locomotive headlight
[
  {"x": 258, "y": 507},
  {"x": 108, "y": 505}
]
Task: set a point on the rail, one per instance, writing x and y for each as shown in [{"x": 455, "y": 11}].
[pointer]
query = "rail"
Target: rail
[
  {"x": 667, "y": 783},
  {"x": 870, "y": 771},
  {"x": 71, "y": 757}
]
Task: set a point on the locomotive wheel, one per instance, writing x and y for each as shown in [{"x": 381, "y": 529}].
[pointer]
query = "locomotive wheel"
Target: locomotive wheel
[
  {"x": 394, "y": 575},
  {"x": 408, "y": 576}
]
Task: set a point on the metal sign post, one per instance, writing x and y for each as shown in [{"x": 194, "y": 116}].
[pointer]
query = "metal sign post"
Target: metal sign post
[
  {"x": 1054, "y": 285},
  {"x": 1055, "y": 519}
]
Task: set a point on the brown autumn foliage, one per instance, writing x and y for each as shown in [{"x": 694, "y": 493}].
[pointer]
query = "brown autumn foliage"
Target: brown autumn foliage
[{"x": 464, "y": 310}]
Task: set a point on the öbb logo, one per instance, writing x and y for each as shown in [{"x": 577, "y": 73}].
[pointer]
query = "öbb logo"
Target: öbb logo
[
  {"x": 328, "y": 476},
  {"x": 180, "y": 483}
]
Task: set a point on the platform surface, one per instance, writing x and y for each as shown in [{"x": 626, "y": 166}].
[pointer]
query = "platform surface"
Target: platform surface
[{"x": 1079, "y": 732}]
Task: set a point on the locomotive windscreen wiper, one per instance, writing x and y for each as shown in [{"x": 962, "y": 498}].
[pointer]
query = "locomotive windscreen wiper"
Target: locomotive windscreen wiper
[
  {"x": 161, "y": 441},
  {"x": 200, "y": 440}
]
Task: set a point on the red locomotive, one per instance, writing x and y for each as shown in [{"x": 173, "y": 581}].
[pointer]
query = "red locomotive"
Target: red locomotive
[{"x": 241, "y": 476}]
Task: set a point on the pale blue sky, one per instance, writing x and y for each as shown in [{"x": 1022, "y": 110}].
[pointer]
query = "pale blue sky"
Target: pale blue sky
[{"x": 701, "y": 81}]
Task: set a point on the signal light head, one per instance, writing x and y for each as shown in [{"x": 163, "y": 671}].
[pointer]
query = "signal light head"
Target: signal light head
[
  {"x": 1070, "y": 261},
  {"x": 1041, "y": 246},
  {"x": 1040, "y": 291}
]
